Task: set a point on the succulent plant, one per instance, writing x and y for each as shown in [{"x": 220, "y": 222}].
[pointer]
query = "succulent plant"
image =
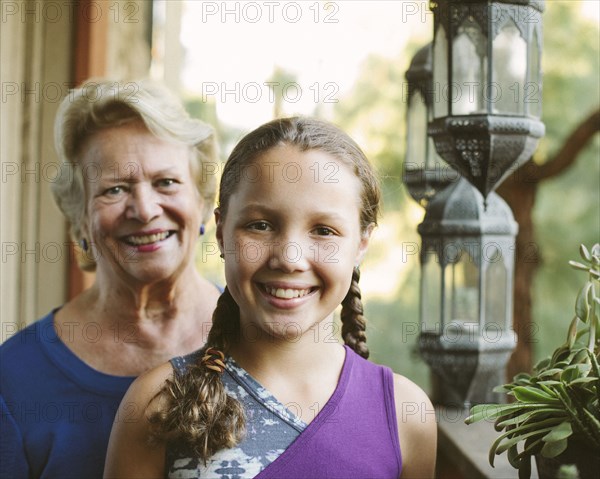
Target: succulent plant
[{"x": 559, "y": 403}]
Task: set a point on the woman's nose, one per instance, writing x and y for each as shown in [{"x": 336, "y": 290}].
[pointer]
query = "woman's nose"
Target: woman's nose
[{"x": 143, "y": 204}]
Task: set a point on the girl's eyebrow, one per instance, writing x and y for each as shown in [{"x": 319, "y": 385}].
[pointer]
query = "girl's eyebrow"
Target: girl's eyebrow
[
  {"x": 253, "y": 207},
  {"x": 265, "y": 209}
]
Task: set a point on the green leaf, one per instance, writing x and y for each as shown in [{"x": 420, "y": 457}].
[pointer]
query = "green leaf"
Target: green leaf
[
  {"x": 585, "y": 380},
  {"x": 570, "y": 374},
  {"x": 543, "y": 364},
  {"x": 525, "y": 468},
  {"x": 554, "y": 448},
  {"x": 578, "y": 265},
  {"x": 580, "y": 359},
  {"x": 499, "y": 410},
  {"x": 521, "y": 436},
  {"x": 518, "y": 434},
  {"x": 585, "y": 254},
  {"x": 515, "y": 420},
  {"x": 572, "y": 334},
  {"x": 562, "y": 431},
  {"x": 531, "y": 394},
  {"x": 549, "y": 372},
  {"x": 532, "y": 447},
  {"x": 549, "y": 382},
  {"x": 531, "y": 418},
  {"x": 582, "y": 304},
  {"x": 483, "y": 411},
  {"x": 513, "y": 457},
  {"x": 505, "y": 388}
]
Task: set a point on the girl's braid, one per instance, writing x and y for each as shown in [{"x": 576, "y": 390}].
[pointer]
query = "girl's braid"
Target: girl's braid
[
  {"x": 353, "y": 321},
  {"x": 198, "y": 417}
]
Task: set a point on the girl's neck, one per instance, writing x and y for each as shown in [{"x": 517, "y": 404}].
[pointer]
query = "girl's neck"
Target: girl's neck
[
  {"x": 292, "y": 358},
  {"x": 301, "y": 375}
]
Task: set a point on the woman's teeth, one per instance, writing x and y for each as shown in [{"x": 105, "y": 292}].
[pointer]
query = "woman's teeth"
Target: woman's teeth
[
  {"x": 147, "y": 239},
  {"x": 287, "y": 293}
]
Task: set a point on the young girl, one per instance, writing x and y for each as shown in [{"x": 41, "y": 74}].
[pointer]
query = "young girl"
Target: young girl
[{"x": 273, "y": 394}]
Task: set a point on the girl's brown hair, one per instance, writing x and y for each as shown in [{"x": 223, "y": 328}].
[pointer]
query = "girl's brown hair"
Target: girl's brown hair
[{"x": 197, "y": 417}]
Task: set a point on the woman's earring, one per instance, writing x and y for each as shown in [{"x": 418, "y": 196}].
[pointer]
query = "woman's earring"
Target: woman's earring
[
  {"x": 83, "y": 244},
  {"x": 202, "y": 229}
]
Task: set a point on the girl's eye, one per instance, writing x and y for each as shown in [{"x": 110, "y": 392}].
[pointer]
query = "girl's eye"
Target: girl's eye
[
  {"x": 259, "y": 226},
  {"x": 324, "y": 231}
]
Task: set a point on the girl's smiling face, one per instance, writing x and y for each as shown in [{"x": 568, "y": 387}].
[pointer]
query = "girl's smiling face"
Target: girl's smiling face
[{"x": 291, "y": 238}]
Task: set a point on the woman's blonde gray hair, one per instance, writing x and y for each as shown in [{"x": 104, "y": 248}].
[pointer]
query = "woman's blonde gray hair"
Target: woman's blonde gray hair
[{"x": 100, "y": 104}]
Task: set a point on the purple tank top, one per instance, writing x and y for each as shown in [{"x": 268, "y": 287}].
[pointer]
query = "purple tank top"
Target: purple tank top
[{"x": 354, "y": 436}]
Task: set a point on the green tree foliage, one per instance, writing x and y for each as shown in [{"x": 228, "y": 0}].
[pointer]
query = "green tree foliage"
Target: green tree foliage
[
  {"x": 567, "y": 210},
  {"x": 374, "y": 113}
]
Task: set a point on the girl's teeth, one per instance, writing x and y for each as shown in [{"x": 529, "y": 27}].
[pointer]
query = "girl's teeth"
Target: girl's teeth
[
  {"x": 287, "y": 293},
  {"x": 147, "y": 239}
]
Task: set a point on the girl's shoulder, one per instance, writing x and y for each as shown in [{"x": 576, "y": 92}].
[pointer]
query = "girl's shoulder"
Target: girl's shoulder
[
  {"x": 413, "y": 406},
  {"x": 129, "y": 451},
  {"x": 417, "y": 428},
  {"x": 148, "y": 384},
  {"x": 407, "y": 391}
]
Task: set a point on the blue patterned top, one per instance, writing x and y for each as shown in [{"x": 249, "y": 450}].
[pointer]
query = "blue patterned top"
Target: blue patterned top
[{"x": 270, "y": 428}]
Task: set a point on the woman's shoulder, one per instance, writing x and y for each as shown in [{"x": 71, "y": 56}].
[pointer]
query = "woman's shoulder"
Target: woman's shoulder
[{"x": 28, "y": 343}]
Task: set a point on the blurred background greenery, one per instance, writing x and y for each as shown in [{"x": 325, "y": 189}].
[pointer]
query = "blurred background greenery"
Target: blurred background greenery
[{"x": 566, "y": 212}]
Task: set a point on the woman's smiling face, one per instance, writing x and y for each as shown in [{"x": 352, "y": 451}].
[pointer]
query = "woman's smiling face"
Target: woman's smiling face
[
  {"x": 291, "y": 239},
  {"x": 143, "y": 210}
]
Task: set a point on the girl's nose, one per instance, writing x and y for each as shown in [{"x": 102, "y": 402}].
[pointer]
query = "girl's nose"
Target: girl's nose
[{"x": 288, "y": 256}]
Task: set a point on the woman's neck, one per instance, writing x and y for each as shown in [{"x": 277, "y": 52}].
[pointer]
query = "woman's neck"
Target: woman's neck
[
  {"x": 137, "y": 328},
  {"x": 135, "y": 302}
]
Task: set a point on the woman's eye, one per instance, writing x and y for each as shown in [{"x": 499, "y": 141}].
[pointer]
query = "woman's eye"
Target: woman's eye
[
  {"x": 165, "y": 182},
  {"x": 259, "y": 226},
  {"x": 113, "y": 191}
]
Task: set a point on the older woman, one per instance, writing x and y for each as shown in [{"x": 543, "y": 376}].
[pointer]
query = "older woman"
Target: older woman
[{"x": 133, "y": 189}]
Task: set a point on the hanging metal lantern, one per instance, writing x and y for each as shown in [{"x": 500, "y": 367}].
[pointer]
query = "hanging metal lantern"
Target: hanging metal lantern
[
  {"x": 487, "y": 86},
  {"x": 424, "y": 172},
  {"x": 467, "y": 269}
]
